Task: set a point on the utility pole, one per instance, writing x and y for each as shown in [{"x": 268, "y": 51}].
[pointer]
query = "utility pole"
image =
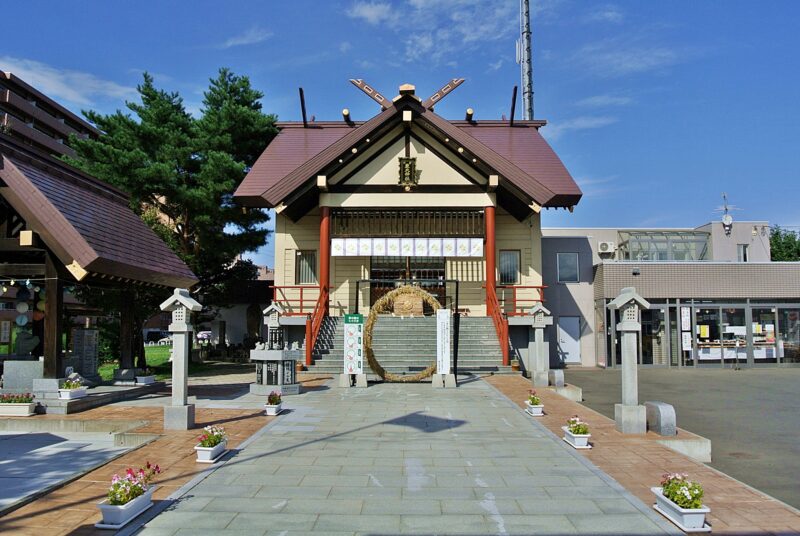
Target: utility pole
[{"x": 525, "y": 60}]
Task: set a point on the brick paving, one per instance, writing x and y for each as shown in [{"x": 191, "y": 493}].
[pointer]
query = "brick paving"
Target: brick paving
[
  {"x": 638, "y": 462},
  {"x": 72, "y": 509}
]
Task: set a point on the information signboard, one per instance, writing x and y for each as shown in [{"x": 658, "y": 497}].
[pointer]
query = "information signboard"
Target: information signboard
[
  {"x": 686, "y": 319},
  {"x": 354, "y": 344},
  {"x": 443, "y": 341}
]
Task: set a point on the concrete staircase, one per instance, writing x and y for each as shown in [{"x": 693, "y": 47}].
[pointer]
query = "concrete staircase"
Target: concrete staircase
[{"x": 408, "y": 345}]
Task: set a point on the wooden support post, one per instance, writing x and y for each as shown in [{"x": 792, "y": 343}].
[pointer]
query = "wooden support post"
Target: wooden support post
[
  {"x": 489, "y": 213},
  {"x": 54, "y": 310},
  {"x": 325, "y": 252},
  {"x": 126, "y": 331}
]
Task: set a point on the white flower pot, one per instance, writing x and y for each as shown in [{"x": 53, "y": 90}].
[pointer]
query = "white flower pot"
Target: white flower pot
[
  {"x": 117, "y": 516},
  {"x": 18, "y": 409},
  {"x": 536, "y": 411},
  {"x": 145, "y": 380},
  {"x": 687, "y": 519},
  {"x": 273, "y": 410},
  {"x": 579, "y": 441},
  {"x": 209, "y": 454},
  {"x": 71, "y": 394}
]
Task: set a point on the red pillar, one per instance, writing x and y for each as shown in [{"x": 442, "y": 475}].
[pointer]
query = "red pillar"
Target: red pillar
[
  {"x": 491, "y": 263},
  {"x": 325, "y": 252}
]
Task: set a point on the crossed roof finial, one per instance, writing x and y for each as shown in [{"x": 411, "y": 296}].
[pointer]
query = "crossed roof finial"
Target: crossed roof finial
[{"x": 428, "y": 103}]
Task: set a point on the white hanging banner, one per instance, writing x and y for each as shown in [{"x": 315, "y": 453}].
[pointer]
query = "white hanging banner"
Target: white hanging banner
[
  {"x": 407, "y": 247},
  {"x": 443, "y": 341}
]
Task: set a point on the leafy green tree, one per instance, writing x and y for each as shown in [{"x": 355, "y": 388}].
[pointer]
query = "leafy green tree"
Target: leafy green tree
[
  {"x": 181, "y": 172},
  {"x": 784, "y": 244}
]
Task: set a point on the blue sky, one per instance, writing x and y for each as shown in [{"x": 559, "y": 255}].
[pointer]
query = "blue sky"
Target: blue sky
[{"x": 656, "y": 108}]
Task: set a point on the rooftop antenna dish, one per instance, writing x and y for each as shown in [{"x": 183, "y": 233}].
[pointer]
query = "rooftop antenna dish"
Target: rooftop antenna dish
[{"x": 727, "y": 218}]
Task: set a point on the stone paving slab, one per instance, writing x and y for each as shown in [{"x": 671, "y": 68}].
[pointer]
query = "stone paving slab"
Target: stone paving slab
[{"x": 407, "y": 459}]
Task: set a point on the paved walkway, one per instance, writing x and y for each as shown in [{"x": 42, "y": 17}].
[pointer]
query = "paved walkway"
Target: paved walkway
[
  {"x": 637, "y": 462},
  {"x": 396, "y": 459}
]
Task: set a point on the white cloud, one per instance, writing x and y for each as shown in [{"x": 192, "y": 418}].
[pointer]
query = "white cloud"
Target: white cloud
[
  {"x": 65, "y": 85},
  {"x": 599, "y": 186},
  {"x": 495, "y": 66},
  {"x": 606, "y": 13},
  {"x": 248, "y": 37},
  {"x": 444, "y": 30},
  {"x": 371, "y": 12},
  {"x": 555, "y": 130},
  {"x": 345, "y": 47},
  {"x": 617, "y": 57},
  {"x": 599, "y": 101}
]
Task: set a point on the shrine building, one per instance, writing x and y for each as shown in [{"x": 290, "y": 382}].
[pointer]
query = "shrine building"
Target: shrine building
[{"x": 409, "y": 198}]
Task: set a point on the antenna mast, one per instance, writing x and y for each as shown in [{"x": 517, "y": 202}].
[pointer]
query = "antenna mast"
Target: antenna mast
[{"x": 524, "y": 59}]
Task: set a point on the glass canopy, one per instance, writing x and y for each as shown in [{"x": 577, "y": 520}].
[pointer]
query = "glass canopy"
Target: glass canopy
[{"x": 663, "y": 245}]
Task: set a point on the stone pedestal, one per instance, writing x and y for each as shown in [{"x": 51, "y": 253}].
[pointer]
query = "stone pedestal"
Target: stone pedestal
[
  {"x": 179, "y": 417},
  {"x": 555, "y": 378},
  {"x": 630, "y": 419},
  {"x": 276, "y": 370},
  {"x": 352, "y": 380},
  {"x": 443, "y": 381}
]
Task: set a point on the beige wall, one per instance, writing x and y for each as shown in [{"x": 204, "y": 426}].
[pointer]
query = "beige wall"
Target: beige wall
[{"x": 511, "y": 234}]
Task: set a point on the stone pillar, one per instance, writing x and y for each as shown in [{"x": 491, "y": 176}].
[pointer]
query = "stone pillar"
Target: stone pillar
[
  {"x": 537, "y": 347},
  {"x": 630, "y": 417},
  {"x": 180, "y": 415}
]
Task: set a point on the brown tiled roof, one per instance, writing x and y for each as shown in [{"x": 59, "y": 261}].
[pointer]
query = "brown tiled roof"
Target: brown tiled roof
[
  {"x": 519, "y": 154},
  {"x": 82, "y": 219}
]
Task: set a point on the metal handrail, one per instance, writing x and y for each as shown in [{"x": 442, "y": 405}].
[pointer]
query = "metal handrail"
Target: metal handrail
[
  {"x": 500, "y": 322},
  {"x": 301, "y": 301},
  {"x": 515, "y": 300},
  {"x": 314, "y": 324}
]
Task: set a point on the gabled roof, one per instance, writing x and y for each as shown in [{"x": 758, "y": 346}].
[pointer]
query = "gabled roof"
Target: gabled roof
[
  {"x": 85, "y": 221},
  {"x": 523, "y": 159}
]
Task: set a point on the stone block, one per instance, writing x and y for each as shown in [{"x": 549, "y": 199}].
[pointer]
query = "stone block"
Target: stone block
[
  {"x": 556, "y": 377},
  {"x": 179, "y": 417},
  {"x": 345, "y": 381},
  {"x": 570, "y": 392},
  {"x": 661, "y": 418},
  {"x": 437, "y": 381},
  {"x": 45, "y": 388},
  {"x": 540, "y": 379},
  {"x": 630, "y": 419},
  {"x": 18, "y": 376},
  {"x": 124, "y": 376},
  {"x": 361, "y": 380},
  {"x": 450, "y": 381}
]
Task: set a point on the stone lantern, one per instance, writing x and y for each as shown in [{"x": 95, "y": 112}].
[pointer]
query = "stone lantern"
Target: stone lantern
[
  {"x": 630, "y": 417},
  {"x": 180, "y": 415},
  {"x": 541, "y": 353},
  {"x": 275, "y": 366}
]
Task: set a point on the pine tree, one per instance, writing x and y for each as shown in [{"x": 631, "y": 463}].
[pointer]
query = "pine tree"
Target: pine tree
[{"x": 180, "y": 173}]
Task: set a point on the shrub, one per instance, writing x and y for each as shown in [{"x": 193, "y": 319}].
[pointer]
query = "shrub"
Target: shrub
[
  {"x": 213, "y": 436},
  {"x": 21, "y": 398},
  {"x": 125, "y": 489},
  {"x": 274, "y": 398},
  {"x": 576, "y": 426},
  {"x": 533, "y": 400},
  {"x": 71, "y": 384},
  {"x": 679, "y": 489}
]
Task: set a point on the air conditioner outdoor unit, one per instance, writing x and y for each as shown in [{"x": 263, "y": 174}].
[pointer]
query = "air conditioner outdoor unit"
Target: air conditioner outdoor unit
[{"x": 606, "y": 247}]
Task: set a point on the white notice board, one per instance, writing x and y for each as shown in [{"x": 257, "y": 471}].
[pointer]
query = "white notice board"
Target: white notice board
[{"x": 443, "y": 341}]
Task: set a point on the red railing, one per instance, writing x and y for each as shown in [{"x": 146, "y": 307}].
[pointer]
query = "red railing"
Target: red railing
[
  {"x": 314, "y": 324},
  {"x": 302, "y": 305},
  {"x": 516, "y": 306},
  {"x": 500, "y": 322}
]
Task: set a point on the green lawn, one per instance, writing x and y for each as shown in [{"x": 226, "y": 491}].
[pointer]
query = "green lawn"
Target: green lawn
[{"x": 157, "y": 361}]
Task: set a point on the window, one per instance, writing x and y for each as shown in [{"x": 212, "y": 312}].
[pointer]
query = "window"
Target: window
[
  {"x": 509, "y": 267},
  {"x": 567, "y": 267},
  {"x": 742, "y": 252},
  {"x": 305, "y": 268}
]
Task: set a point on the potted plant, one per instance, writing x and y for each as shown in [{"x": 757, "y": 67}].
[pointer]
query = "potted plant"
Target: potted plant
[
  {"x": 273, "y": 405},
  {"x": 211, "y": 444},
  {"x": 681, "y": 501},
  {"x": 128, "y": 496},
  {"x": 146, "y": 378},
  {"x": 71, "y": 389},
  {"x": 17, "y": 405},
  {"x": 534, "y": 404},
  {"x": 576, "y": 433}
]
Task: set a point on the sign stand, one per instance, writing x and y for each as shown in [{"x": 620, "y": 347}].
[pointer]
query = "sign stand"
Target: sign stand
[
  {"x": 443, "y": 377},
  {"x": 353, "y": 353}
]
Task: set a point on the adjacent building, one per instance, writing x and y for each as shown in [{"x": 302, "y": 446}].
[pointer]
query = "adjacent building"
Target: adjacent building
[{"x": 716, "y": 299}]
